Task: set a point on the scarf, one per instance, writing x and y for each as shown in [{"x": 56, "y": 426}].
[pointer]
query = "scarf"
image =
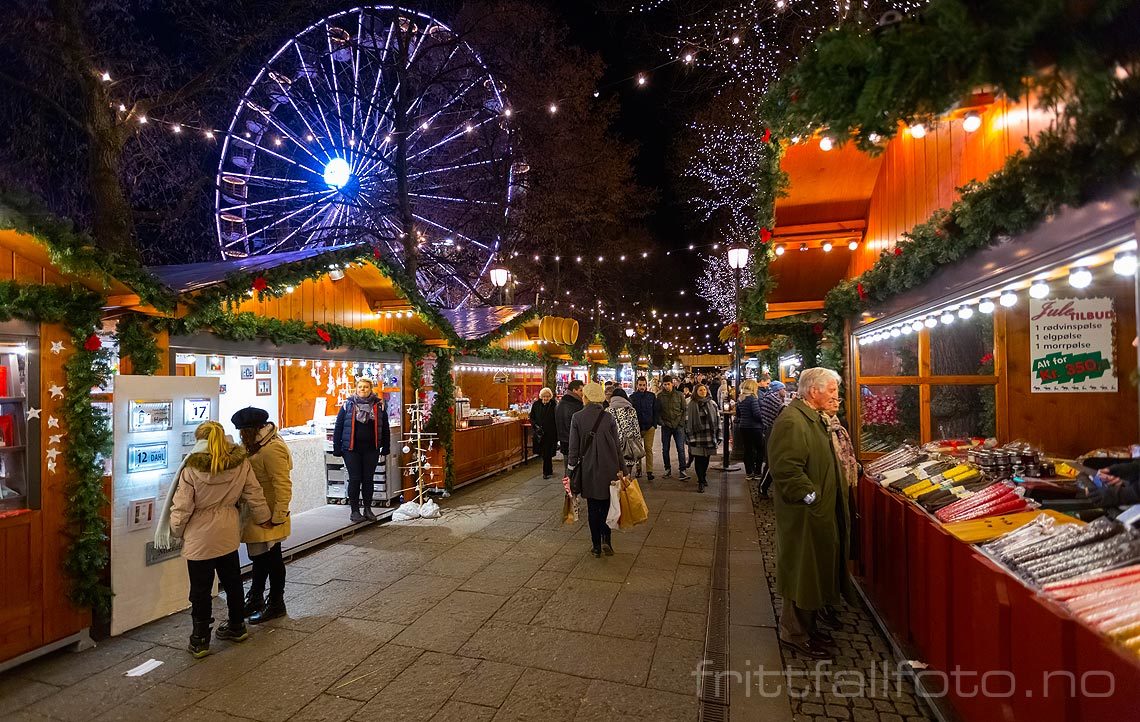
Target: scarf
[
  {"x": 844, "y": 450},
  {"x": 704, "y": 415},
  {"x": 162, "y": 537},
  {"x": 364, "y": 409}
]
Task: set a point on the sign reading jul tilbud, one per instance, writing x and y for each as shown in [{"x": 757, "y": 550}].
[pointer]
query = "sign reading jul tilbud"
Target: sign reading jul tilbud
[{"x": 1072, "y": 345}]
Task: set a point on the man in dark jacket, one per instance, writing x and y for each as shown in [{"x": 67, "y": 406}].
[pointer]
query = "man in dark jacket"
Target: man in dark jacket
[
  {"x": 570, "y": 404},
  {"x": 648, "y": 418},
  {"x": 672, "y": 404},
  {"x": 771, "y": 404}
]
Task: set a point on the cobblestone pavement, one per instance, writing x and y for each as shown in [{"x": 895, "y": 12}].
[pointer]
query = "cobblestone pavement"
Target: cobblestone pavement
[
  {"x": 825, "y": 691},
  {"x": 495, "y": 611}
]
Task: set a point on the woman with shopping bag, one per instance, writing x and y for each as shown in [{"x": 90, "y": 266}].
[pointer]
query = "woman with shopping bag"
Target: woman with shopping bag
[{"x": 593, "y": 462}]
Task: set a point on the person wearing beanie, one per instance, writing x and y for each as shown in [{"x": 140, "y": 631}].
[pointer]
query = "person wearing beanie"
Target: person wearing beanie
[
  {"x": 272, "y": 464},
  {"x": 203, "y": 513},
  {"x": 362, "y": 437},
  {"x": 594, "y": 461}
]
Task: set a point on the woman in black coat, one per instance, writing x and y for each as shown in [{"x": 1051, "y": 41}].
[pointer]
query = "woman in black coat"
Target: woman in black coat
[
  {"x": 594, "y": 448},
  {"x": 545, "y": 430}
]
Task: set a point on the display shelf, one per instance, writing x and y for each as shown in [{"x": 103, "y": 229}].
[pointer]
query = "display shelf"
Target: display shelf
[
  {"x": 12, "y": 448},
  {"x": 12, "y": 400}
]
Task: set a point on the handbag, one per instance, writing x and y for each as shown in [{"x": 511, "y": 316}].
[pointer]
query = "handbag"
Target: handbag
[{"x": 577, "y": 470}]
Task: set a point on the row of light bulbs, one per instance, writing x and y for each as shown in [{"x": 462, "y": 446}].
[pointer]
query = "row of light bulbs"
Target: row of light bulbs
[
  {"x": 827, "y": 247},
  {"x": 971, "y": 122},
  {"x": 1080, "y": 277}
]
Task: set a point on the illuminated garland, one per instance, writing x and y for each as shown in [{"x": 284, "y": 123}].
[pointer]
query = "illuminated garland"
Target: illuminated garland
[{"x": 442, "y": 421}]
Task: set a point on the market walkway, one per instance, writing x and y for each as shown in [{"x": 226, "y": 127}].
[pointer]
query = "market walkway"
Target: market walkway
[{"x": 495, "y": 611}]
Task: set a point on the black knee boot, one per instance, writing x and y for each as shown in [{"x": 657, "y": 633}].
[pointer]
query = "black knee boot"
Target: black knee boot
[{"x": 200, "y": 638}]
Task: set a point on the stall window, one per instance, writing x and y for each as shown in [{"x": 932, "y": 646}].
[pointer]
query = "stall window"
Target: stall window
[
  {"x": 936, "y": 383},
  {"x": 17, "y": 479}
]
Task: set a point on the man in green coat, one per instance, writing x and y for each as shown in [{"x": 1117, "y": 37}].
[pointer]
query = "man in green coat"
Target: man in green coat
[
  {"x": 812, "y": 522},
  {"x": 673, "y": 414}
]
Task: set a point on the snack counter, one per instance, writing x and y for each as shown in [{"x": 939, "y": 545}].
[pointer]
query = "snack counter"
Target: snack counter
[{"x": 487, "y": 444}]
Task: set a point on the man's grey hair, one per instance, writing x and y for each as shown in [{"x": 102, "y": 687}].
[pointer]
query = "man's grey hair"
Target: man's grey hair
[{"x": 816, "y": 378}]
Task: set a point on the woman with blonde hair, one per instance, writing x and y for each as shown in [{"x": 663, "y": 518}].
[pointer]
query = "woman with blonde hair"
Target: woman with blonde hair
[
  {"x": 203, "y": 513},
  {"x": 750, "y": 429}
]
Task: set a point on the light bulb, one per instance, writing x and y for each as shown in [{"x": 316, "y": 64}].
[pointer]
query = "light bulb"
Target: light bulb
[
  {"x": 688, "y": 57},
  {"x": 1039, "y": 290},
  {"x": 337, "y": 173},
  {"x": 965, "y": 312},
  {"x": 874, "y": 137},
  {"x": 918, "y": 130},
  {"x": 1008, "y": 299},
  {"x": 826, "y": 144},
  {"x": 641, "y": 80},
  {"x": 553, "y": 108},
  {"x": 795, "y": 139},
  {"x": 907, "y": 329},
  {"x": 986, "y": 305},
  {"x": 972, "y": 121},
  {"x": 853, "y": 245},
  {"x": 895, "y": 333},
  {"x": 827, "y": 246},
  {"x": 1080, "y": 277},
  {"x": 803, "y": 248},
  {"x": 780, "y": 249},
  {"x": 1125, "y": 263},
  {"x": 947, "y": 318},
  {"x": 930, "y": 322},
  {"x": 916, "y": 326},
  {"x": 736, "y": 40}
]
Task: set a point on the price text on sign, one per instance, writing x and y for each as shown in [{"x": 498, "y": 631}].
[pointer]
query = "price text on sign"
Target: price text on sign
[
  {"x": 1071, "y": 368},
  {"x": 1072, "y": 345}
]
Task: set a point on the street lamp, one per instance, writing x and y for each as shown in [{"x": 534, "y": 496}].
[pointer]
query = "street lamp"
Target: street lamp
[
  {"x": 629, "y": 332},
  {"x": 738, "y": 257},
  {"x": 499, "y": 276}
]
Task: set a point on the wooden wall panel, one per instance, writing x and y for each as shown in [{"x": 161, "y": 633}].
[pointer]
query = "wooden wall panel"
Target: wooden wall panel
[
  {"x": 480, "y": 387},
  {"x": 1071, "y": 424},
  {"x": 21, "y": 594}
]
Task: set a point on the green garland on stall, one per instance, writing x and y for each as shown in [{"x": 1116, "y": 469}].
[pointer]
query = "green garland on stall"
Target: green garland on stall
[
  {"x": 550, "y": 373},
  {"x": 443, "y": 412},
  {"x": 134, "y": 335},
  {"x": 88, "y": 433}
]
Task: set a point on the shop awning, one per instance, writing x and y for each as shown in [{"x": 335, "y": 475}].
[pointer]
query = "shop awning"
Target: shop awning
[
  {"x": 1106, "y": 221},
  {"x": 187, "y": 277},
  {"x": 478, "y": 321}
]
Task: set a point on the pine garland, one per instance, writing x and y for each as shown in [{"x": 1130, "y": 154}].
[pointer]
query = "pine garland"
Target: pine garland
[
  {"x": 443, "y": 412},
  {"x": 134, "y": 335}
]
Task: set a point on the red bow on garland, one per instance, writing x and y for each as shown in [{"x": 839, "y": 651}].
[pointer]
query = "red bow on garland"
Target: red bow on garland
[
  {"x": 765, "y": 234},
  {"x": 260, "y": 284},
  {"x": 323, "y": 335},
  {"x": 767, "y": 135},
  {"x": 93, "y": 343},
  {"x": 898, "y": 250},
  {"x": 989, "y": 357},
  {"x": 862, "y": 293},
  {"x": 817, "y": 329}
]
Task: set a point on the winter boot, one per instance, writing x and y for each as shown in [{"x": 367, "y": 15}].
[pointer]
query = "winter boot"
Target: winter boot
[
  {"x": 234, "y": 631},
  {"x": 355, "y": 517},
  {"x": 254, "y": 601},
  {"x": 200, "y": 638},
  {"x": 273, "y": 609},
  {"x": 368, "y": 513}
]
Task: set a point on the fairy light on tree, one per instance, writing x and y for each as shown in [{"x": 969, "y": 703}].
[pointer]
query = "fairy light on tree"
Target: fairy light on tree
[{"x": 715, "y": 285}]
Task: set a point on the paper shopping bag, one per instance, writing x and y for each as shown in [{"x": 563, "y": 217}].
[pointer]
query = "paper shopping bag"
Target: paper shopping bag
[{"x": 638, "y": 510}]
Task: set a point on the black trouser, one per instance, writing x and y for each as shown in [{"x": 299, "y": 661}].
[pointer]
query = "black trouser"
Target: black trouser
[
  {"x": 598, "y": 509},
  {"x": 751, "y": 442},
  {"x": 545, "y": 449},
  {"x": 361, "y": 465},
  {"x": 766, "y": 481},
  {"x": 564, "y": 448},
  {"x": 702, "y": 465},
  {"x": 228, "y": 569},
  {"x": 271, "y": 566}
]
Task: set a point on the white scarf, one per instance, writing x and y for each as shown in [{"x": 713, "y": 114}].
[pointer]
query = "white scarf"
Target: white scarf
[{"x": 163, "y": 539}]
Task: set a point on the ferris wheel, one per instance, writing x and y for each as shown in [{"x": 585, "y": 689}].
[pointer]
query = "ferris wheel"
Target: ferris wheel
[{"x": 376, "y": 125}]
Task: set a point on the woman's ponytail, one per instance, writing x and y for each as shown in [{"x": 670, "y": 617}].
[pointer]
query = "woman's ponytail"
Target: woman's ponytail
[{"x": 216, "y": 444}]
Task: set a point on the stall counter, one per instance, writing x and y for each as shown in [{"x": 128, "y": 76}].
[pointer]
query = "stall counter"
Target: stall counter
[
  {"x": 480, "y": 451},
  {"x": 309, "y": 476}
]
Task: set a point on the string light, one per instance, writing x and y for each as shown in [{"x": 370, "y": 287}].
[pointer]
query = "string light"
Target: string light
[
  {"x": 918, "y": 130},
  {"x": 827, "y": 246},
  {"x": 641, "y": 79},
  {"x": 1008, "y": 299},
  {"x": 826, "y": 144},
  {"x": 1080, "y": 277},
  {"x": 1039, "y": 289},
  {"x": 853, "y": 245},
  {"x": 972, "y": 121}
]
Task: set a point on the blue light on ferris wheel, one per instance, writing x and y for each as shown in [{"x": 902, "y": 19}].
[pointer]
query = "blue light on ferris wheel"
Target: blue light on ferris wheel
[{"x": 337, "y": 173}]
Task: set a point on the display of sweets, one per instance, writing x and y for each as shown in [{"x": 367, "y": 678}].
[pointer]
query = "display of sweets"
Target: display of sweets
[{"x": 1043, "y": 552}]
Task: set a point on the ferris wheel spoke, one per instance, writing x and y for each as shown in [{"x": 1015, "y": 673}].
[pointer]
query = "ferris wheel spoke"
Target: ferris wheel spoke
[
  {"x": 308, "y": 69},
  {"x": 300, "y": 228},
  {"x": 335, "y": 84},
  {"x": 433, "y": 171},
  {"x": 281, "y": 220},
  {"x": 451, "y": 232},
  {"x": 251, "y": 144},
  {"x": 288, "y": 133},
  {"x": 304, "y": 119},
  {"x": 273, "y": 200}
]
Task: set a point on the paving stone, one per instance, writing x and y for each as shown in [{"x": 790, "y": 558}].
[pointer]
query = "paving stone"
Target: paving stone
[
  {"x": 558, "y": 650},
  {"x": 316, "y": 608},
  {"x": 657, "y": 582},
  {"x": 466, "y": 557},
  {"x": 701, "y": 557},
  {"x": 605, "y": 569},
  {"x": 563, "y": 562},
  {"x": 667, "y": 536},
  {"x": 659, "y": 557},
  {"x": 523, "y": 605},
  {"x": 228, "y": 661},
  {"x": 546, "y": 580},
  {"x": 310, "y": 667},
  {"x": 200, "y": 714},
  {"x": 158, "y": 702},
  {"x": 108, "y": 688},
  {"x": 16, "y": 692},
  {"x": 328, "y": 708},
  {"x": 605, "y": 701},
  {"x": 407, "y": 599},
  {"x": 579, "y": 605},
  {"x": 509, "y": 530},
  {"x": 489, "y": 684},
  {"x": 688, "y": 575},
  {"x": 811, "y": 708},
  {"x": 676, "y": 664},
  {"x": 455, "y": 711},
  {"x": 635, "y": 616},
  {"x": 420, "y": 690},
  {"x": 445, "y": 627},
  {"x": 366, "y": 679},
  {"x": 503, "y": 576},
  {"x": 684, "y": 625},
  {"x": 64, "y": 667},
  {"x": 693, "y": 599},
  {"x": 544, "y": 696}
]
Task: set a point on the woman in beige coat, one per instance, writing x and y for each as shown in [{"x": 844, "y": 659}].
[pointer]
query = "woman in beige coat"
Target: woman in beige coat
[
  {"x": 272, "y": 465},
  {"x": 214, "y": 479}
]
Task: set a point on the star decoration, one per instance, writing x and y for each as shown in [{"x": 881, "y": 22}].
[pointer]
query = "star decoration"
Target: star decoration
[
  {"x": 57, "y": 347},
  {"x": 56, "y": 438},
  {"x": 53, "y": 423},
  {"x": 32, "y": 413},
  {"x": 56, "y": 391},
  {"x": 51, "y": 467},
  {"x": 51, "y": 454}
]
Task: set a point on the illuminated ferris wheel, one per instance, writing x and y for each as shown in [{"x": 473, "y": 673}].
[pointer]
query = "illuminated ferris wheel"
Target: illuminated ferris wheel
[{"x": 375, "y": 125}]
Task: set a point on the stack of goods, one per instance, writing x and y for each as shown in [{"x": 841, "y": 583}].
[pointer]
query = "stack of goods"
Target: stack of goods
[
  {"x": 980, "y": 531},
  {"x": 903, "y": 456},
  {"x": 993, "y": 500},
  {"x": 1043, "y": 553},
  {"x": 1108, "y": 601}
]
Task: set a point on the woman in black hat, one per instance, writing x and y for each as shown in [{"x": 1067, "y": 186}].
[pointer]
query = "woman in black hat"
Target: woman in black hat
[
  {"x": 272, "y": 465},
  {"x": 361, "y": 436}
]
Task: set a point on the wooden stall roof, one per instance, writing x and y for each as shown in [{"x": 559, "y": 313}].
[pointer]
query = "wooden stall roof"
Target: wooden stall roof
[{"x": 28, "y": 260}]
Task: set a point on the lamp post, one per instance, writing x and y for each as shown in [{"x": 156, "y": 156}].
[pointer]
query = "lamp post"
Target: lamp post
[
  {"x": 499, "y": 276},
  {"x": 737, "y": 259}
]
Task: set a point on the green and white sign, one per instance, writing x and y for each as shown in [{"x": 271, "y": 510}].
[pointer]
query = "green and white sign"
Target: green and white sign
[{"x": 1072, "y": 345}]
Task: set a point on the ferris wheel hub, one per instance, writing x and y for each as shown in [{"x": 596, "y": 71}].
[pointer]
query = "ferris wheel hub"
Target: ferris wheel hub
[{"x": 337, "y": 173}]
